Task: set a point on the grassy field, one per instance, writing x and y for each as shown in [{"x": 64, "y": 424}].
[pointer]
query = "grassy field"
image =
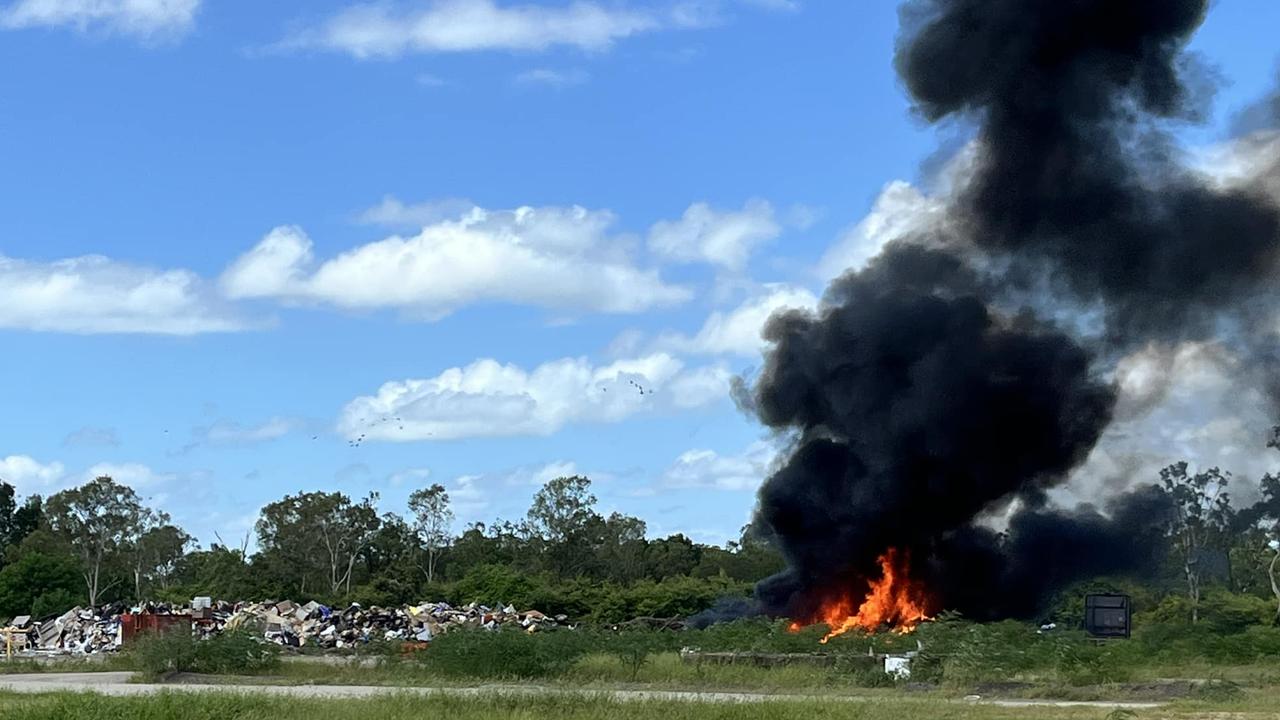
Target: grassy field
[
  {"x": 230, "y": 706},
  {"x": 957, "y": 658}
]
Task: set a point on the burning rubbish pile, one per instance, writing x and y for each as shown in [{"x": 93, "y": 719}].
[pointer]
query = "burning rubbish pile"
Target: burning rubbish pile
[
  {"x": 943, "y": 391},
  {"x": 81, "y": 631}
]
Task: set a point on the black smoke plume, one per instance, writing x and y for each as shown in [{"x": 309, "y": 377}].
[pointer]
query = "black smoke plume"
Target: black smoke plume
[
  {"x": 927, "y": 394},
  {"x": 1075, "y": 178}
]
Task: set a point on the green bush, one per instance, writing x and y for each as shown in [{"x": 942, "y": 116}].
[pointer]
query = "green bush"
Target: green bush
[
  {"x": 507, "y": 653},
  {"x": 228, "y": 653},
  {"x": 1182, "y": 643},
  {"x": 633, "y": 648},
  {"x": 958, "y": 652},
  {"x": 1222, "y": 611}
]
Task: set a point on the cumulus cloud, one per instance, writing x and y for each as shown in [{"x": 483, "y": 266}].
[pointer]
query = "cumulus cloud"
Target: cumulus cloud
[
  {"x": 28, "y": 475},
  {"x": 146, "y": 19},
  {"x": 707, "y": 469},
  {"x": 490, "y": 399},
  {"x": 738, "y": 331},
  {"x": 384, "y": 30},
  {"x": 726, "y": 238},
  {"x": 556, "y": 258},
  {"x": 94, "y": 294},
  {"x": 900, "y": 210}
]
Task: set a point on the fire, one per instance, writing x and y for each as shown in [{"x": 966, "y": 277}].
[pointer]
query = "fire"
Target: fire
[{"x": 894, "y": 600}]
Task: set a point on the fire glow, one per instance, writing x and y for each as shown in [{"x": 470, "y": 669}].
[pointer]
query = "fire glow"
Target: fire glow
[{"x": 894, "y": 600}]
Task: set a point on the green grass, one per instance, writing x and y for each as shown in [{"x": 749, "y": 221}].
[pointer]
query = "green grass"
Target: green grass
[
  {"x": 1008, "y": 659},
  {"x": 230, "y": 706},
  {"x": 594, "y": 671},
  {"x": 107, "y": 663}
]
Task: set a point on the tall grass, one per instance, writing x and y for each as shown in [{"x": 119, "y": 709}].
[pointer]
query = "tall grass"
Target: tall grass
[{"x": 229, "y": 706}]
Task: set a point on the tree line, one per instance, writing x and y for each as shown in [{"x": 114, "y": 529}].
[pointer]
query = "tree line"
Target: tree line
[{"x": 99, "y": 544}]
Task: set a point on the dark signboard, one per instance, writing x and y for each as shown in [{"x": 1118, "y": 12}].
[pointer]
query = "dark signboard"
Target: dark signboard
[{"x": 1107, "y": 616}]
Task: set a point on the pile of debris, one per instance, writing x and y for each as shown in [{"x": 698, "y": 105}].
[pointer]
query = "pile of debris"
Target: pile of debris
[
  {"x": 77, "y": 631},
  {"x": 295, "y": 625},
  {"x": 81, "y": 631}
]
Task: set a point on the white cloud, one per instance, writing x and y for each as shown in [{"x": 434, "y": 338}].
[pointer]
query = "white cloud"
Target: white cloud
[
  {"x": 28, "y": 475},
  {"x": 272, "y": 267},
  {"x": 721, "y": 237},
  {"x": 467, "y": 497},
  {"x": 31, "y": 476},
  {"x": 738, "y": 331},
  {"x": 446, "y": 26},
  {"x": 93, "y": 294},
  {"x": 549, "y": 472},
  {"x": 146, "y": 19},
  {"x": 506, "y": 492},
  {"x": 394, "y": 213},
  {"x": 709, "y": 469},
  {"x": 899, "y": 210},
  {"x": 556, "y": 258},
  {"x": 552, "y": 78},
  {"x": 135, "y": 475},
  {"x": 489, "y": 399}
]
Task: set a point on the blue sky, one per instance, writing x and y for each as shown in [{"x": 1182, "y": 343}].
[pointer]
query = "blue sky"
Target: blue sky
[{"x": 235, "y": 236}]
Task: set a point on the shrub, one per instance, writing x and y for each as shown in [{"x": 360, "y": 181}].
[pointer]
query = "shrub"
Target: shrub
[
  {"x": 228, "y": 653},
  {"x": 633, "y": 648},
  {"x": 507, "y": 653}
]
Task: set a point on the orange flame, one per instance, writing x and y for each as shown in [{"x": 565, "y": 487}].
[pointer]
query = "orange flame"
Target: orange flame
[{"x": 894, "y": 600}]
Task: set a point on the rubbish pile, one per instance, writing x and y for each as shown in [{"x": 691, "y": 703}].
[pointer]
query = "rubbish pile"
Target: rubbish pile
[
  {"x": 293, "y": 625},
  {"x": 82, "y": 631},
  {"x": 77, "y": 631}
]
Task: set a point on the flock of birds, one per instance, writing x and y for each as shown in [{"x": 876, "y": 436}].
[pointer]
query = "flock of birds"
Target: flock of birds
[
  {"x": 640, "y": 388},
  {"x": 359, "y": 440}
]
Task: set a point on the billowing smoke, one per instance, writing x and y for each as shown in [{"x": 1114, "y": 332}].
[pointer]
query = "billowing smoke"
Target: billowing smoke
[
  {"x": 968, "y": 369},
  {"x": 1075, "y": 178}
]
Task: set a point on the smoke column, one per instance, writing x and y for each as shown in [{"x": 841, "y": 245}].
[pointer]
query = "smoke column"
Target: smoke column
[{"x": 953, "y": 377}]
